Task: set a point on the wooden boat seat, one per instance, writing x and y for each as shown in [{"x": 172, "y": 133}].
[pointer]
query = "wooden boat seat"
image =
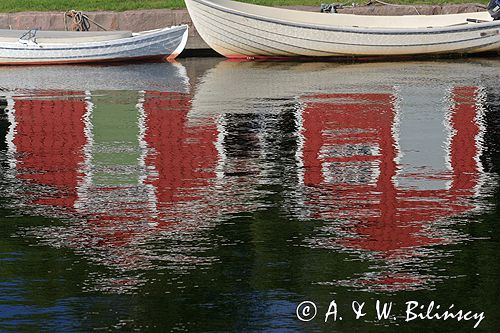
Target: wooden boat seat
[{"x": 64, "y": 37}]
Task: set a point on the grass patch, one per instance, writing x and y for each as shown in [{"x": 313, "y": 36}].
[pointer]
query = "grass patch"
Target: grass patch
[
  {"x": 122, "y": 5},
  {"x": 87, "y": 5}
]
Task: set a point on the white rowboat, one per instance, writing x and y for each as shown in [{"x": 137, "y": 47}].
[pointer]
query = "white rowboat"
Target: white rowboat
[
  {"x": 241, "y": 30},
  {"x": 37, "y": 47}
]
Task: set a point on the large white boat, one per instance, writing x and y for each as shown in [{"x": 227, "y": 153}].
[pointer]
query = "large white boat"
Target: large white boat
[
  {"x": 18, "y": 47},
  {"x": 241, "y": 30}
]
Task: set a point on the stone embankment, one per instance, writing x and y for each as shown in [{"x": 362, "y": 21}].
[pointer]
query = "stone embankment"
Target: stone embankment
[{"x": 139, "y": 20}]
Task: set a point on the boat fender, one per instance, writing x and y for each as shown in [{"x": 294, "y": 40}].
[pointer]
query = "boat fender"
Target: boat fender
[{"x": 494, "y": 9}]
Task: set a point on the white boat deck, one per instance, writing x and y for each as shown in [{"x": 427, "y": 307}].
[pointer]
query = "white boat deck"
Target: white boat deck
[{"x": 64, "y": 37}]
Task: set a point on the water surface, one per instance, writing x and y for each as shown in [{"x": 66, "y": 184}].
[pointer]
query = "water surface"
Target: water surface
[{"x": 211, "y": 195}]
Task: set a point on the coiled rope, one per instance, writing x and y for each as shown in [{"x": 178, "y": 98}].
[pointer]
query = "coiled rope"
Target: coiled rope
[
  {"x": 332, "y": 8},
  {"x": 371, "y": 2},
  {"x": 79, "y": 21}
]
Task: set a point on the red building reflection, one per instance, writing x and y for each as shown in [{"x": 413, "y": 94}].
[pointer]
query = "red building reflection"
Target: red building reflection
[
  {"x": 350, "y": 155},
  {"x": 49, "y": 140},
  {"x": 182, "y": 154},
  {"x": 354, "y": 173},
  {"x": 55, "y": 160}
]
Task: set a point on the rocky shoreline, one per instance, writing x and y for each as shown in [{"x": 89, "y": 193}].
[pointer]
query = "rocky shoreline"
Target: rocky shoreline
[{"x": 140, "y": 20}]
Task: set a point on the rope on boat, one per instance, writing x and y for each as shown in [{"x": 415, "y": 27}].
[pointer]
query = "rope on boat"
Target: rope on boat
[
  {"x": 332, "y": 8},
  {"x": 79, "y": 21},
  {"x": 390, "y": 4}
]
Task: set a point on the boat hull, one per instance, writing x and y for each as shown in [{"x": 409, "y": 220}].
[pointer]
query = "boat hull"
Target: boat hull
[
  {"x": 235, "y": 33},
  {"x": 156, "y": 44}
]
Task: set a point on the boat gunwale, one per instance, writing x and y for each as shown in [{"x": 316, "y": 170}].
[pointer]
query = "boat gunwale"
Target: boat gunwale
[{"x": 355, "y": 29}]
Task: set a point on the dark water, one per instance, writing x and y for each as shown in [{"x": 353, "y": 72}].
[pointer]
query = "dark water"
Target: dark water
[{"x": 213, "y": 196}]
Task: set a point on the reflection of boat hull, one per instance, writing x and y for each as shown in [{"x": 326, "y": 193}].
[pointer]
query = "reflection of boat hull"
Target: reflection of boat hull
[
  {"x": 170, "y": 77},
  {"x": 238, "y": 30},
  {"x": 82, "y": 47},
  {"x": 230, "y": 86}
]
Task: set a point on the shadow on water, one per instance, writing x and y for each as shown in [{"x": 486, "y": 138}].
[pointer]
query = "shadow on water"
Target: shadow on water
[{"x": 211, "y": 195}]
